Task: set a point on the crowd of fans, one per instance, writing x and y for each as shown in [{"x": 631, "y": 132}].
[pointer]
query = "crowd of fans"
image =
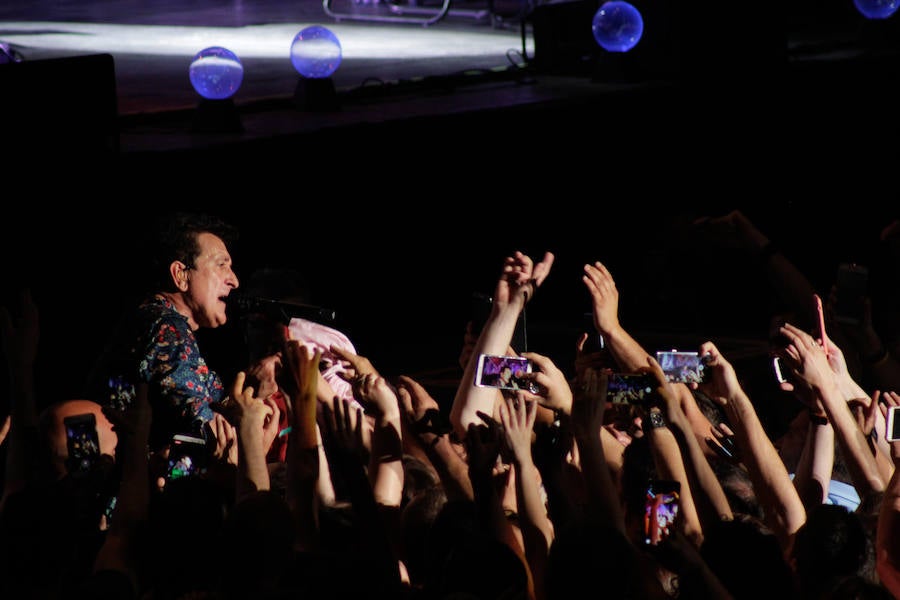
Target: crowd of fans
[{"x": 315, "y": 475}]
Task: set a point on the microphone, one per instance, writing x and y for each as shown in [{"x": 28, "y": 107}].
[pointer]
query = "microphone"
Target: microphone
[{"x": 279, "y": 310}]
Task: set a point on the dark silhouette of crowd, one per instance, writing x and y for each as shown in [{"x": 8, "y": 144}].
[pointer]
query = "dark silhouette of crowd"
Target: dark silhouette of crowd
[{"x": 309, "y": 473}]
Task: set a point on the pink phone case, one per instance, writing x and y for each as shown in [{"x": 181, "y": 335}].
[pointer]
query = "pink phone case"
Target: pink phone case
[{"x": 821, "y": 314}]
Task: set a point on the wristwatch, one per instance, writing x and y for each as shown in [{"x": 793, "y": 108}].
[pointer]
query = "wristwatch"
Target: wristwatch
[{"x": 656, "y": 419}]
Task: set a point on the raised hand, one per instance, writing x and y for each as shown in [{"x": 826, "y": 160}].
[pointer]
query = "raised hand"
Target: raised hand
[
  {"x": 520, "y": 279},
  {"x": 517, "y": 415},
  {"x": 553, "y": 390},
  {"x": 589, "y": 403},
  {"x": 604, "y": 296},
  {"x": 342, "y": 429},
  {"x": 303, "y": 366}
]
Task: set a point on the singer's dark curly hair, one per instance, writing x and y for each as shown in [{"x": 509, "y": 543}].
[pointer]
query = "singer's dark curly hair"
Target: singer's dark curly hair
[{"x": 175, "y": 238}]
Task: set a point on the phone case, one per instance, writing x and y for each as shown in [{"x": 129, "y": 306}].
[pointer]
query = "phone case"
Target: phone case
[{"x": 821, "y": 315}]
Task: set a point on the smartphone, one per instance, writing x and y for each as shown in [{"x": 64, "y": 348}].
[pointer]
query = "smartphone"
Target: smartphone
[
  {"x": 503, "y": 372},
  {"x": 595, "y": 341},
  {"x": 892, "y": 427},
  {"x": 82, "y": 442},
  {"x": 661, "y": 506},
  {"x": 683, "y": 367},
  {"x": 780, "y": 371},
  {"x": 820, "y": 313},
  {"x": 187, "y": 457},
  {"x": 851, "y": 286},
  {"x": 629, "y": 388}
]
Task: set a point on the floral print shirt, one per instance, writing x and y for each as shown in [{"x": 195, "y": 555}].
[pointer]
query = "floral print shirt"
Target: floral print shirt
[{"x": 158, "y": 346}]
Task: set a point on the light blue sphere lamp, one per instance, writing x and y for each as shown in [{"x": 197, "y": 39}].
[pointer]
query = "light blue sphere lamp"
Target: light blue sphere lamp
[
  {"x": 316, "y": 54},
  {"x": 216, "y": 74},
  {"x": 617, "y": 27}
]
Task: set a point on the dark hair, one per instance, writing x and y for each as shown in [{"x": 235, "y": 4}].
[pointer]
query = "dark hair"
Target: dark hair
[
  {"x": 176, "y": 239},
  {"x": 739, "y": 552},
  {"x": 831, "y": 544}
]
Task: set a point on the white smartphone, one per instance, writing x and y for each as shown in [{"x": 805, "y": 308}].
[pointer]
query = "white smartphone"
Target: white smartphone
[
  {"x": 892, "y": 427},
  {"x": 503, "y": 372},
  {"x": 780, "y": 371}
]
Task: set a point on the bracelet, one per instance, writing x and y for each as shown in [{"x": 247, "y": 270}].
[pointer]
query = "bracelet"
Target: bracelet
[
  {"x": 878, "y": 359},
  {"x": 768, "y": 250}
]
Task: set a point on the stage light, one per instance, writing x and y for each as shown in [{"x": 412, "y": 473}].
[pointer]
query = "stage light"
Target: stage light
[
  {"x": 8, "y": 55},
  {"x": 877, "y": 9},
  {"x": 617, "y": 26},
  {"x": 216, "y": 74},
  {"x": 316, "y": 54}
]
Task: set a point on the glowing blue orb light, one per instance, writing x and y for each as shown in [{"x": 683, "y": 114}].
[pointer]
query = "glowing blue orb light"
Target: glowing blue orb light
[
  {"x": 877, "y": 9},
  {"x": 617, "y": 26},
  {"x": 216, "y": 73},
  {"x": 316, "y": 52}
]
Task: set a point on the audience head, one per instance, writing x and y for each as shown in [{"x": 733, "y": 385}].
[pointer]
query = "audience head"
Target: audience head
[
  {"x": 53, "y": 431},
  {"x": 831, "y": 545},
  {"x": 747, "y": 558}
]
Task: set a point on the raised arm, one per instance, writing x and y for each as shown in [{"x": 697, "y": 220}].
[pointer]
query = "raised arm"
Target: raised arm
[
  {"x": 303, "y": 452},
  {"x": 810, "y": 364},
  {"x": 257, "y": 422},
  {"x": 517, "y": 284},
  {"x": 887, "y": 536},
  {"x": 782, "y": 505},
  {"x": 517, "y": 415},
  {"x": 428, "y": 429},
  {"x": 706, "y": 500},
  {"x": 626, "y": 351}
]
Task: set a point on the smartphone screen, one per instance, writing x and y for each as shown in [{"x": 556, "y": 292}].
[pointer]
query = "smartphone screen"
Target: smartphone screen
[
  {"x": 82, "y": 442},
  {"x": 683, "y": 367},
  {"x": 661, "y": 506},
  {"x": 892, "y": 426},
  {"x": 503, "y": 372},
  {"x": 187, "y": 456},
  {"x": 629, "y": 388}
]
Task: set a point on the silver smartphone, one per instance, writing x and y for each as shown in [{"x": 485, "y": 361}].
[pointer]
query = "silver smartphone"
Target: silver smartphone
[
  {"x": 503, "y": 372},
  {"x": 682, "y": 366}
]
